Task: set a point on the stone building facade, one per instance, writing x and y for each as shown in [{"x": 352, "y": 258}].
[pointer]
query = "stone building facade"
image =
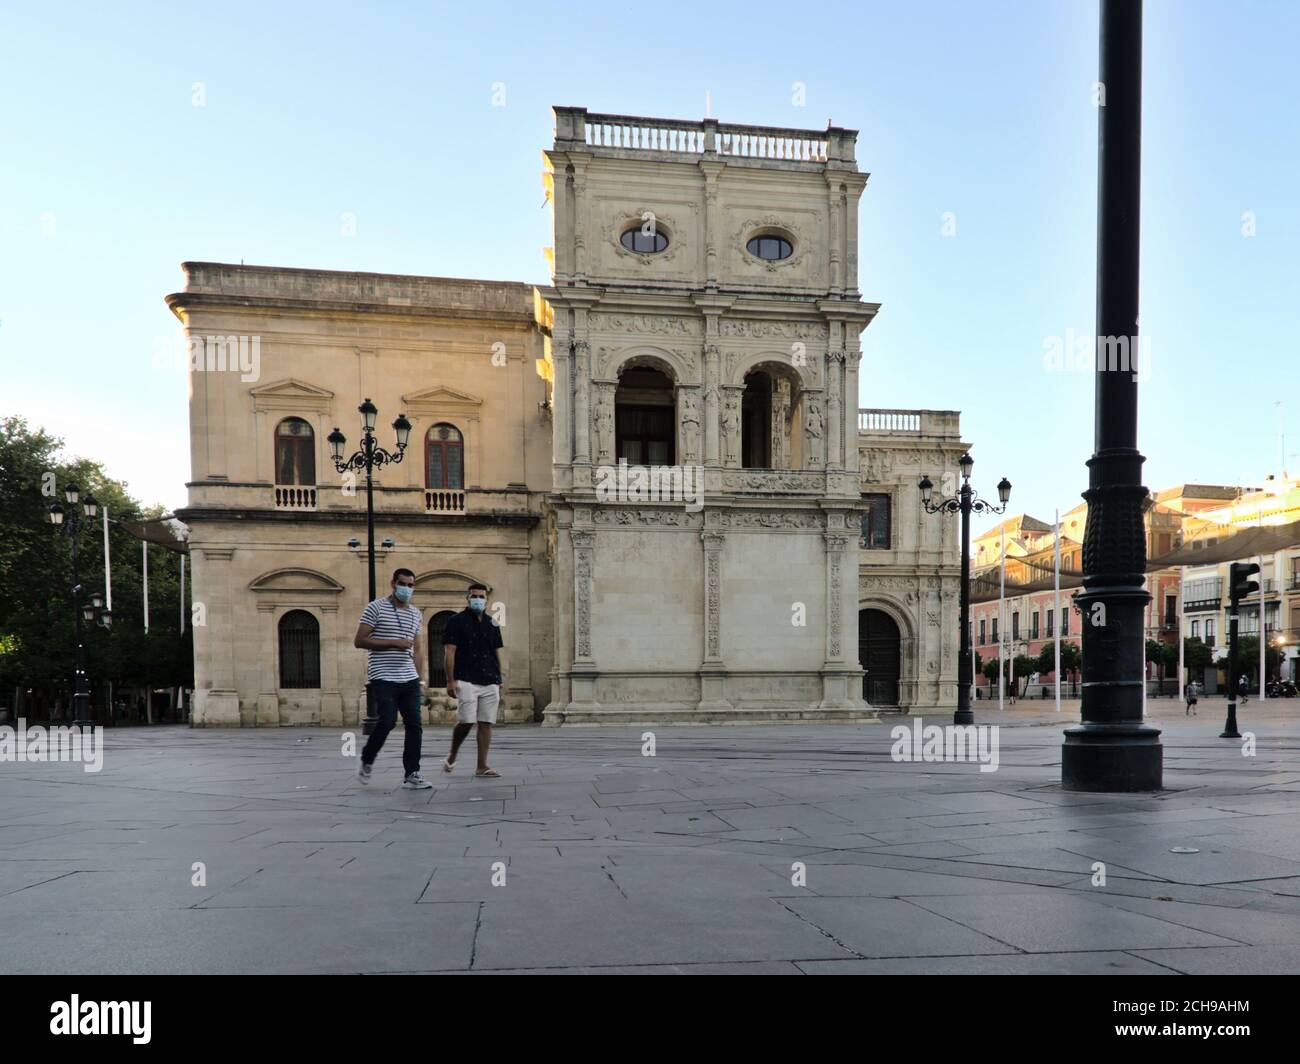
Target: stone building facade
[{"x": 656, "y": 462}]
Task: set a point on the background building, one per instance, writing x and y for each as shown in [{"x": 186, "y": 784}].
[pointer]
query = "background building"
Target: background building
[{"x": 703, "y": 314}]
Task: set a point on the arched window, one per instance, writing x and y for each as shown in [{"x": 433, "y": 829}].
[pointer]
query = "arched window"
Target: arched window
[
  {"x": 444, "y": 457},
  {"x": 299, "y": 650},
  {"x": 437, "y": 627},
  {"x": 645, "y": 421},
  {"x": 295, "y": 453},
  {"x": 756, "y": 422}
]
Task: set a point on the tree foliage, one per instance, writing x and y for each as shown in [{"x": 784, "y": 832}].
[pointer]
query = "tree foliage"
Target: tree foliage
[{"x": 37, "y": 625}]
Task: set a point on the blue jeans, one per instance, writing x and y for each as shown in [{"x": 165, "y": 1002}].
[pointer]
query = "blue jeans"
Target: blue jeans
[{"x": 390, "y": 697}]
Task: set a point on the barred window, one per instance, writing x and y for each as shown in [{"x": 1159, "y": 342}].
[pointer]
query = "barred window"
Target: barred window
[{"x": 299, "y": 650}]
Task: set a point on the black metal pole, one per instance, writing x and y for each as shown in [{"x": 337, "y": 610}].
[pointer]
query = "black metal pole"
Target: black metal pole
[
  {"x": 964, "y": 714},
  {"x": 1230, "y": 726},
  {"x": 1112, "y": 749},
  {"x": 81, "y": 693},
  {"x": 368, "y": 449}
]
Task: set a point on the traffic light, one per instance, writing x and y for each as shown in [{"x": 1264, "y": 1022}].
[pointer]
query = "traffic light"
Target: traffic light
[{"x": 1239, "y": 586}]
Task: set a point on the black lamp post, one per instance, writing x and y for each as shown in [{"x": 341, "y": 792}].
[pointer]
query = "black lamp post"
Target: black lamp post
[
  {"x": 91, "y": 612},
  {"x": 1111, "y": 749},
  {"x": 965, "y": 502},
  {"x": 369, "y": 457}
]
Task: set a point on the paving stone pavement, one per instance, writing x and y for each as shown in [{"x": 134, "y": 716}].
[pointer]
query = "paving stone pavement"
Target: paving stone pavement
[{"x": 681, "y": 862}]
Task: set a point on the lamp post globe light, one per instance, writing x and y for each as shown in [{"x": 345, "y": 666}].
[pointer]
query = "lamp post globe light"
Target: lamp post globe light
[
  {"x": 369, "y": 457},
  {"x": 965, "y": 502},
  {"x": 69, "y": 523}
]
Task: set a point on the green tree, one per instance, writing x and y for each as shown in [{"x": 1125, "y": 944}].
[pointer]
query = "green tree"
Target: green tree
[
  {"x": 1025, "y": 666},
  {"x": 1163, "y": 656},
  {"x": 1248, "y": 659},
  {"x": 1196, "y": 655},
  {"x": 36, "y": 620}
]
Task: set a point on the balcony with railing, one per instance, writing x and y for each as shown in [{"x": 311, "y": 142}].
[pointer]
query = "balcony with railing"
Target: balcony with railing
[
  {"x": 295, "y": 497},
  {"x": 450, "y": 501},
  {"x": 938, "y": 424},
  {"x": 576, "y": 127}
]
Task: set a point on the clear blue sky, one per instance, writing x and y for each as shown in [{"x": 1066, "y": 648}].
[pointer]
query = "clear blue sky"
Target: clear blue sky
[{"x": 110, "y": 177}]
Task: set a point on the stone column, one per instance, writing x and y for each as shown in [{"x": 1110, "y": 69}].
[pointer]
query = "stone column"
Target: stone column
[
  {"x": 713, "y": 680},
  {"x": 712, "y": 404},
  {"x": 578, "y": 182},
  {"x": 834, "y": 414},
  {"x": 561, "y": 357},
  {"x": 688, "y": 421},
  {"x": 779, "y": 416},
  {"x": 814, "y": 427},
  {"x": 268, "y": 701},
  {"x": 835, "y": 671},
  {"x": 584, "y": 664},
  {"x": 836, "y": 198},
  {"x": 851, "y": 239},
  {"x": 519, "y": 705},
  {"x": 216, "y": 696},
  {"x": 851, "y": 359},
  {"x": 603, "y": 418},
  {"x": 711, "y": 170},
  {"x": 331, "y": 699},
  {"x": 730, "y": 421},
  {"x": 581, "y": 403}
]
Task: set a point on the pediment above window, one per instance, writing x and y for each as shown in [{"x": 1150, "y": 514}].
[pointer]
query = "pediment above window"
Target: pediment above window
[
  {"x": 297, "y": 581},
  {"x": 292, "y": 395}
]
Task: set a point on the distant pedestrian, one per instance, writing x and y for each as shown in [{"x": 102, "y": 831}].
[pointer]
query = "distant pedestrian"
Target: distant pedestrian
[
  {"x": 1243, "y": 688},
  {"x": 392, "y": 630},
  {"x": 1191, "y": 693},
  {"x": 472, "y": 646}
]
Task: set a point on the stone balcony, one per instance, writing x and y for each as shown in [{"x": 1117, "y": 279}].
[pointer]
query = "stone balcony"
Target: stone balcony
[
  {"x": 680, "y": 140},
  {"x": 914, "y": 424},
  {"x": 211, "y": 497}
]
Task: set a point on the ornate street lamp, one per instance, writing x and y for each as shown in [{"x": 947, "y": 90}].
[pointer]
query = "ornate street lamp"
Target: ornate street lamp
[
  {"x": 69, "y": 523},
  {"x": 369, "y": 457},
  {"x": 965, "y": 502}
]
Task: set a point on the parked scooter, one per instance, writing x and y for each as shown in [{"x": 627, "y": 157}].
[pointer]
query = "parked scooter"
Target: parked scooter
[{"x": 1282, "y": 689}]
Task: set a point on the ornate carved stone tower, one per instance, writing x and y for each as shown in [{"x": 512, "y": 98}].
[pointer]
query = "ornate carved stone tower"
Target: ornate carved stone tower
[{"x": 704, "y": 318}]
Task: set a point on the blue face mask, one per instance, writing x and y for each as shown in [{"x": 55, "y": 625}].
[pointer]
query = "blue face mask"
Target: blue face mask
[
  {"x": 403, "y": 593},
  {"x": 478, "y": 605}
]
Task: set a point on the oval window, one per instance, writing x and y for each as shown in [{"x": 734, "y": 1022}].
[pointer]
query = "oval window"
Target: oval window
[
  {"x": 644, "y": 243},
  {"x": 769, "y": 248}
]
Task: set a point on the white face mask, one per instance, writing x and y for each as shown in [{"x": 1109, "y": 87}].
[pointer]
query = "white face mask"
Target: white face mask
[{"x": 478, "y": 605}]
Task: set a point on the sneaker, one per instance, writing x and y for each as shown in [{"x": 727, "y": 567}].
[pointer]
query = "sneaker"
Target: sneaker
[
  {"x": 363, "y": 773},
  {"x": 416, "y": 782}
]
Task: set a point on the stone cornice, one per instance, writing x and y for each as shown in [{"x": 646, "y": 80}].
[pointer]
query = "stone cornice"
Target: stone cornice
[{"x": 239, "y": 514}]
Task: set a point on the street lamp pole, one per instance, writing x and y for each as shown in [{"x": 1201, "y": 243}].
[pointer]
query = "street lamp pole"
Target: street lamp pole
[
  {"x": 370, "y": 457},
  {"x": 965, "y": 502},
  {"x": 1111, "y": 749},
  {"x": 92, "y": 611}
]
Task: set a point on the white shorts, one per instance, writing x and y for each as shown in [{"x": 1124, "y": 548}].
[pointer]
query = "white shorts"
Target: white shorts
[{"x": 477, "y": 702}]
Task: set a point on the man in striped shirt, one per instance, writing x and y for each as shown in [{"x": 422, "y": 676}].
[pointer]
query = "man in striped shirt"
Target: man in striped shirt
[{"x": 392, "y": 630}]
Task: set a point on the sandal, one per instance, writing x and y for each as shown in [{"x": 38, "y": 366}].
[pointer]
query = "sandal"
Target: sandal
[
  {"x": 488, "y": 774},
  {"x": 447, "y": 766}
]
